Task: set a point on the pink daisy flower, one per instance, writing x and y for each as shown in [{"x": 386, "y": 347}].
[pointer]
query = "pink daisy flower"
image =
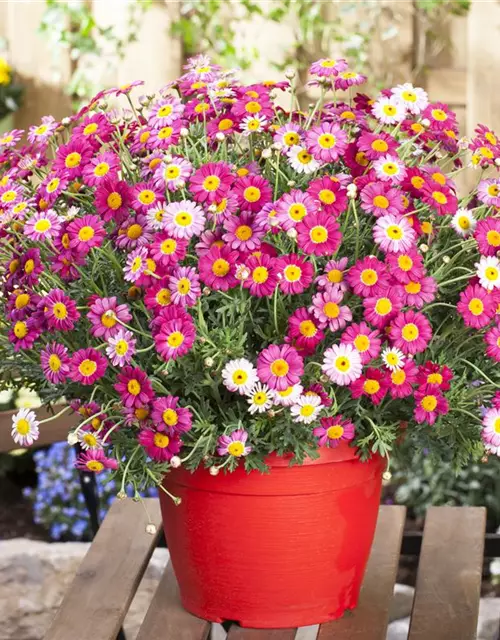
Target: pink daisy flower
[
  {"x": 218, "y": 268},
  {"x": 379, "y": 199},
  {"x": 491, "y": 430},
  {"x": 40, "y": 133},
  {"x": 72, "y": 157},
  {"x": 375, "y": 145},
  {"x": 85, "y": 233},
  {"x": 329, "y": 194},
  {"x": 487, "y": 234},
  {"x": 59, "y": 310},
  {"x": 394, "y": 234},
  {"x": 105, "y": 315},
  {"x": 333, "y": 430},
  {"x": 24, "y": 334},
  {"x": 136, "y": 264},
  {"x": 318, "y": 234},
  {"x": 174, "y": 174},
  {"x": 42, "y": 226},
  {"x": 144, "y": 196},
  {"x": 167, "y": 250},
  {"x": 389, "y": 168},
  {"x": 158, "y": 296},
  {"x": 294, "y": 207},
  {"x": 54, "y": 360},
  {"x": 364, "y": 339},
  {"x": 328, "y": 67},
  {"x": 168, "y": 416},
  {"x": 420, "y": 292},
  {"x": 165, "y": 111},
  {"x": 87, "y": 366},
  {"x": 476, "y": 306},
  {"x": 429, "y": 404},
  {"x": 184, "y": 286},
  {"x": 295, "y": 273},
  {"x": 373, "y": 384},
  {"x": 411, "y": 332},
  {"x": 492, "y": 339},
  {"x": 347, "y": 79},
  {"x": 328, "y": 311},
  {"x": 166, "y": 136},
  {"x": 174, "y": 339},
  {"x": 441, "y": 198},
  {"x": 112, "y": 199},
  {"x": 234, "y": 444},
  {"x": 368, "y": 277},
  {"x": 121, "y": 347},
  {"x": 434, "y": 375},
  {"x": 134, "y": 232},
  {"x": 333, "y": 273},
  {"x": 288, "y": 135},
  {"x": 407, "y": 266},
  {"x": 242, "y": 233},
  {"x": 184, "y": 219},
  {"x": 488, "y": 192},
  {"x": 280, "y": 366},
  {"x": 159, "y": 446},
  {"x": 401, "y": 380},
  {"x": 134, "y": 387},
  {"x": 326, "y": 142},
  {"x": 211, "y": 182},
  {"x": 105, "y": 165},
  {"x": 253, "y": 192},
  {"x": 262, "y": 277},
  {"x": 95, "y": 129},
  {"x": 304, "y": 331},
  {"x": 96, "y": 461}
]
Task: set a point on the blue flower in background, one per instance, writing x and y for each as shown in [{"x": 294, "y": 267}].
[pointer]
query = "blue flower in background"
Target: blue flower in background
[{"x": 58, "y": 502}]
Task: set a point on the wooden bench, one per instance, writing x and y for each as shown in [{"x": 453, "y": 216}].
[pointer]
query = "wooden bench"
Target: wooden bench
[{"x": 445, "y": 605}]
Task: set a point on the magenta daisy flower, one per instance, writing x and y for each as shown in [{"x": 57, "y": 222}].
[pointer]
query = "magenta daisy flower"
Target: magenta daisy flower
[
  {"x": 55, "y": 361},
  {"x": 381, "y": 308},
  {"x": 295, "y": 273},
  {"x": 168, "y": 416},
  {"x": 87, "y": 366},
  {"x": 218, "y": 268},
  {"x": 375, "y": 145},
  {"x": 158, "y": 296},
  {"x": 329, "y": 194},
  {"x": 492, "y": 339},
  {"x": 411, "y": 332},
  {"x": 328, "y": 67},
  {"x": 121, "y": 347},
  {"x": 211, "y": 182},
  {"x": 159, "y": 446},
  {"x": 333, "y": 430},
  {"x": 380, "y": 199},
  {"x": 401, "y": 380},
  {"x": 184, "y": 286},
  {"x": 280, "y": 366},
  {"x": 112, "y": 199},
  {"x": 134, "y": 387},
  {"x": 487, "y": 234},
  {"x": 420, "y": 292},
  {"x": 429, "y": 404},
  {"x": 333, "y": 273},
  {"x": 347, "y": 79},
  {"x": 23, "y": 334},
  {"x": 42, "y": 226},
  {"x": 242, "y": 233},
  {"x": 10, "y": 138},
  {"x": 435, "y": 375},
  {"x": 253, "y": 192},
  {"x": 394, "y": 234},
  {"x": 364, "y": 339},
  {"x": 175, "y": 338},
  {"x": 293, "y": 207},
  {"x": 95, "y": 460},
  {"x": 134, "y": 232},
  {"x": 262, "y": 276},
  {"x": 318, "y": 234},
  {"x": 304, "y": 331},
  {"x": 326, "y": 142},
  {"x": 327, "y": 309},
  {"x": 105, "y": 165},
  {"x": 368, "y": 277},
  {"x": 166, "y": 136},
  {"x": 234, "y": 444},
  {"x": 52, "y": 187},
  {"x": 372, "y": 384},
  {"x": 144, "y": 196},
  {"x": 59, "y": 310},
  {"x": 167, "y": 250},
  {"x": 165, "y": 111},
  {"x": 476, "y": 306},
  {"x": 105, "y": 316},
  {"x": 72, "y": 157},
  {"x": 406, "y": 266},
  {"x": 184, "y": 219},
  {"x": 441, "y": 198},
  {"x": 86, "y": 233}
]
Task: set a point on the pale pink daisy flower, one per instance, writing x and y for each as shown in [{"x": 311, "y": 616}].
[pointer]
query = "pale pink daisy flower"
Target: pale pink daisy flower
[
  {"x": 394, "y": 234},
  {"x": 43, "y": 225},
  {"x": 121, "y": 348},
  {"x": 184, "y": 219},
  {"x": 342, "y": 364},
  {"x": 389, "y": 110},
  {"x": 327, "y": 309},
  {"x": 389, "y": 168},
  {"x": 415, "y": 99}
]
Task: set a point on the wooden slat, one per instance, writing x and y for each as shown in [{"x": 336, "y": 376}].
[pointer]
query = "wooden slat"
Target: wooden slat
[
  {"x": 106, "y": 581},
  {"x": 166, "y": 619},
  {"x": 238, "y": 633},
  {"x": 54, "y": 431},
  {"x": 370, "y": 618},
  {"x": 446, "y": 602}
]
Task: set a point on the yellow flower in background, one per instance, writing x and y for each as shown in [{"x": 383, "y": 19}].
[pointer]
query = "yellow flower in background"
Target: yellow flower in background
[{"x": 5, "y": 70}]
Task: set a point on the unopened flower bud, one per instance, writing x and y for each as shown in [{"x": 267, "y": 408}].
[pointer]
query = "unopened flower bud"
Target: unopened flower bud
[
  {"x": 175, "y": 462},
  {"x": 446, "y": 259},
  {"x": 484, "y": 459},
  {"x": 463, "y": 143},
  {"x": 144, "y": 101},
  {"x": 267, "y": 153},
  {"x": 292, "y": 233},
  {"x": 242, "y": 272},
  {"x": 220, "y": 136},
  {"x": 212, "y": 208},
  {"x": 214, "y": 471},
  {"x": 184, "y": 132},
  {"x": 209, "y": 362},
  {"x": 151, "y": 529},
  {"x": 497, "y": 162},
  {"x": 273, "y": 222},
  {"x": 425, "y": 122},
  {"x": 181, "y": 184},
  {"x": 200, "y": 97},
  {"x": 168, "y": 157},
  {"x": 291, "y": 183},
  {"x": 352, "y": 190},
  {"x": 271, "y": 413},
  {"x": 387, "y": 475},
  {"x": 66, "y": 121},
  {"x": 72, "y": 438},
  {"x": 206, "y": 291},
  {"x": 102, "y": 105},
  {"x": 424, "y": 248},
  {"x": 277, "y": 146},
  {"x": 121, "y": 495},
  {"x": 127, "y": 115}
]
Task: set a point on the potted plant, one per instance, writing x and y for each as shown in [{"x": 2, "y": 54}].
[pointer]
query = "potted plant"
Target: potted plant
[
  {"x": 11, "y": 93},
  {"x": 249, "y": 307}
]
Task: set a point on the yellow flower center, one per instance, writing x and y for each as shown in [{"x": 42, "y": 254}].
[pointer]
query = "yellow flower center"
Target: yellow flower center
[
  {"x": 291, "y": 138},
  {"x": 260, "y": 275},
  {"x": 335, "y": 276},
  {"x": 41, "y": 129},
  {"x": 410, "y": 332},
  {"x": 164, "y": 111},
  {"x": 297, "y": 211},
  {"x": 292, "y": 273},
  {"x": 29, "y": 266},
  {"x": 335, "y": 432},
  {"x": 146, "y": 196},
  {"x": 22, "y": 300},
  {"x": 279, "y": 368},
  {"x": 307, "y": 328},
  {"x": 170, "y": 417},
  {"x": 381, "y": 202},
  {"x": 175, "y": 339},
  {"x": 240, "y": 376},
  {"x": 491, "y": 274},
  {"x": 165, "y": 133},
  {"x": 220, "y": 267},
  {"x": 60, "y": 310},
  {"x": 405, "y": 263},
  {"x": 327, "y": 196},
  {"x": 243, "y": 232},
  {"x": 389, "y": 109},
  {"x": 20, "y": 329},
  {"x": 54, "y": 363},
  {"x": 371, "y": 387},
  {"x": 369, "y": 277},
  {"x": 409, "y": 96},
  {"x": 211, "y": 183},
  {"x": 136, "y": 264},
  {"x": 163, "y": 297},
  {"x": 161, "y": 440},
  {"x": 87, "y": 367},
  {"x": 134, "y": 231},
  {"x": 42, "y": 225},
  {"x": 225, "y": 124},
  {"x": 183, "y": 219},
  {"x": 89, "y": 440},
  {"x": 417, "y": 182},
  {"x": 236, "y": 449},
  {"x": 9, "y": 196},
  {"x": 327, "y": 141},
  {"x": 435, "y": 378},
  {"x": 318, "y": 234},
  {"x": 383, "y": 306},
  {"x": 114, "y": 201},
  {"x": 394, "y": 232},
  {"x": 121, "y": 347},
  {"x": 328, "y": 63},
  {"x": 304, "y": 157},
  {"x": 343, "y": 364},
  {"x": 141, "y": 413},
  {"x": 134, "y": 387},
  {"x": 493, "y": 238},
  {"x": 253, "y": 107},
  {"x": 398, "y": 377},
  {"x": 172, "y": 171},
  {"x": 101, "y": 169},
  {"x": 413, "y": 287},
  {"x": 331, "y": 310},
  {"x": 439, "y": 197},
  {"x": 168, "y": 247},
  {"x": 362, "y": 343},
  {"x": 439, "y": 115},
  {"x": 108, "y": 319},
  {"x": 428, "y": 403},
  {"x": 184, "y": 286},
  {"x": 361, "y": 159},
  {"x": 144, "y": 137},
  {"x": 86, "y": 233},
  {"x": 90, "y": 129},
  {"x": 464, "y": 222},
  {"x": 307, "y": 410},
  {"x": 476, "y": 306},
  {"x": 251, "y": 194},
  {"x": 73, "y": 160},
  {"x": 94, "y": 465},
  {"x": 23, "y": 427}
]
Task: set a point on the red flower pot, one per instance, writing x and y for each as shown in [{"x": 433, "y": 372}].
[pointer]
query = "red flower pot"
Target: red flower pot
[{"x": 283, "y": 549}]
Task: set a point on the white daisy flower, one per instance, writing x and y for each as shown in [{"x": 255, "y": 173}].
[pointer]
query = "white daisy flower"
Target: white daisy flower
[
  {"x": 260, "y": 398},
  {"x": 301, "y": 160},
  {"x": 342, "y": 364},
  {"x": 393, "y": 359},
  {"x": 464, "y": 222},
  {"x": 488, "y": 272},
  {"x": 389, "y": 168},
  {"x": 155, "y": 217},
  {"x": 415, "y": 99},
  {"x": 306, "y": 409},
  {"x": 25, "y": 427},
  {"x": 239, "y": 375},
  {"x": 89, "y": 440},
  {"x": 289, "y": 396},
  {"x": 389, "y": 110},
  {"x": 71, "y": 213},
  {"x": 253, "y": 124}
]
